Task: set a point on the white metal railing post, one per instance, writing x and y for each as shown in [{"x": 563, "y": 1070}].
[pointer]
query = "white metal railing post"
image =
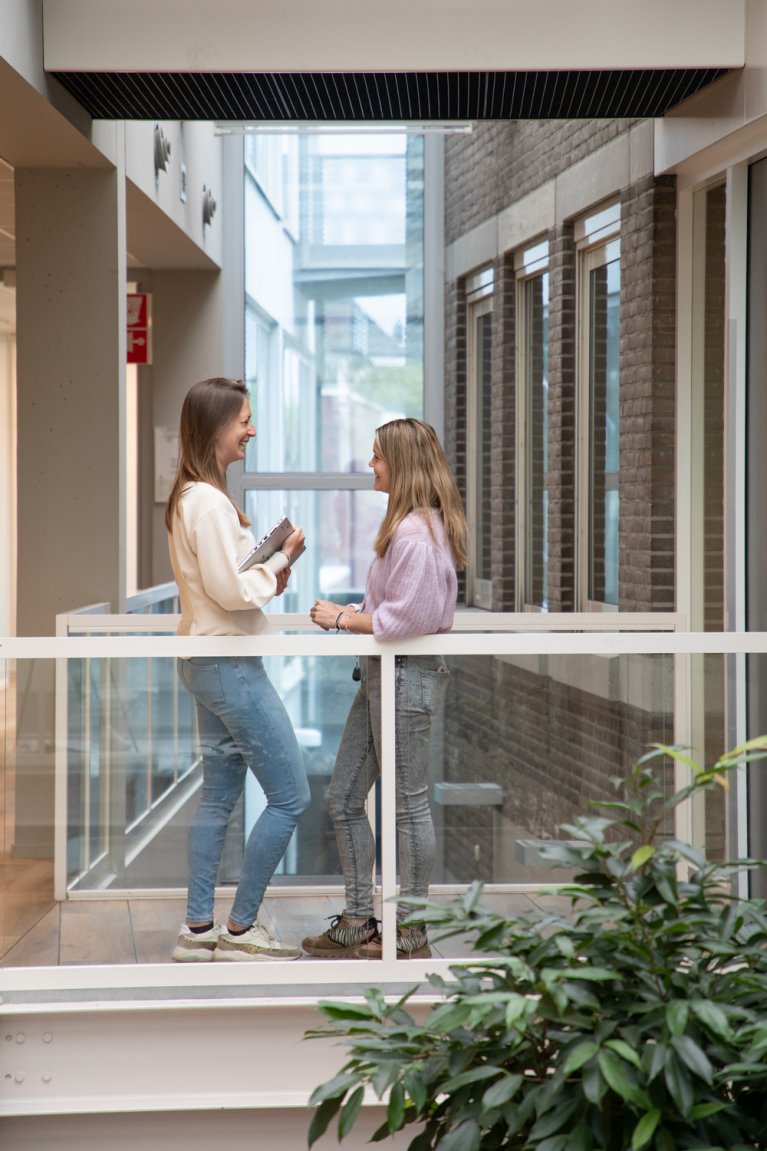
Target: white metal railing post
[{"x": 388, "y": 803}]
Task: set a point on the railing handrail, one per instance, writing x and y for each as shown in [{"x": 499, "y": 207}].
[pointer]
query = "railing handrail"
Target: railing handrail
[{"x": 465, "y": 621}]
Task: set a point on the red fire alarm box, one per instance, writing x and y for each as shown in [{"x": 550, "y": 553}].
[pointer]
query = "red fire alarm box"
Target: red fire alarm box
[{"x": 139, "y": 305}]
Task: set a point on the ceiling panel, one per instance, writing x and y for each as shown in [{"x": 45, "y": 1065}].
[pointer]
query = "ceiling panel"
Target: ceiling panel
[{"x": 385, "y": 96}]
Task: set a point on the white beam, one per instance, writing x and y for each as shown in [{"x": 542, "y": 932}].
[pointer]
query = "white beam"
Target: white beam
[
  {"x": 188, "y": 1056},
  {"x": 430, "y": 35}
]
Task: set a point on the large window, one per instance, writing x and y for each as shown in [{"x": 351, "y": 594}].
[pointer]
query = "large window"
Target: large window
[
  {"x": 334, "y": 343},
  {"x": 599, "y": 387},
  {"x": 533, "y": 374},
  {"x": 480, "y": 351}
]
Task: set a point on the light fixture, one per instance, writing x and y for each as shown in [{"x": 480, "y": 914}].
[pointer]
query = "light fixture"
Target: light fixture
[
  {"x": 344, "y": 127},
  {"x": 161, "y": 151},
  {"x": 208, "y": 206}
]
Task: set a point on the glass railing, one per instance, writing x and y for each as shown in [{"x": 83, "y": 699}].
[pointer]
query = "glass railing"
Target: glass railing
[{"x": 101, "y": 773}]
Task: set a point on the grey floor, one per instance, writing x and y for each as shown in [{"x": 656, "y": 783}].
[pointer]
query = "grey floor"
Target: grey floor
[{"x": 139, "y": 931}]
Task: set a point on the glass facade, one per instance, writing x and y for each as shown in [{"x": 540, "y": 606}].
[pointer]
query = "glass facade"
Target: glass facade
[
  {"x": 334, "y": 295},
  {"x": 604, "y": 424}
]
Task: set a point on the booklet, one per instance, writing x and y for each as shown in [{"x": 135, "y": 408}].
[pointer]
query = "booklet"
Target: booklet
[{"x": 269, "y": 543}]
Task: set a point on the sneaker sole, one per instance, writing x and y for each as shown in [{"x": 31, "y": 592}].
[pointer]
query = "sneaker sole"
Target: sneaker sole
[
  {"x": 422, "y": 953},
  {"x": 191, "y": 955},
  {"x": 344, "y": 953},
  {"x": 251, "y": 956}
]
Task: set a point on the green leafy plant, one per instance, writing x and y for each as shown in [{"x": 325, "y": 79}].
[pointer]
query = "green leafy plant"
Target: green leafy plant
[{"x": 637, "y": 1020}]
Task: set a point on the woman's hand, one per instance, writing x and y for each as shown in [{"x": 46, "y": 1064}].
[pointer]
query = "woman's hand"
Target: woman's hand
[
  {"x": 324, "y": 613},
  {"x": 293, "y": 544},
  {"x": 282, "y": 578}
]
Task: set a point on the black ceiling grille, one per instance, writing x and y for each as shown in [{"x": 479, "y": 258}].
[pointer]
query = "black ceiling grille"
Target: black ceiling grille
[{"x": 381, "y": 96}]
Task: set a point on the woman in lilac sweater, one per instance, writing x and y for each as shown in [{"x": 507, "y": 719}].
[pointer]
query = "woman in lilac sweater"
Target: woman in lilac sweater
[{"x": 411, "y": 590}]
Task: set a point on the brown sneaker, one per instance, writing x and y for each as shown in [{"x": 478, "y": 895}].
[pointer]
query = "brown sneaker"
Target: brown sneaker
[
  {"x": 412, "y": 943},
  {"x": 342, "y": 938}
]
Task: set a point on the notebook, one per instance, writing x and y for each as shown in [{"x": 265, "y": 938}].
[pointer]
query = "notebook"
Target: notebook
[{"x": 269, "y": 543}]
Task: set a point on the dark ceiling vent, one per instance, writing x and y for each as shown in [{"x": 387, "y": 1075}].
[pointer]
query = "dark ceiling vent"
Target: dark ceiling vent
[{"x": 385, "y": 96}]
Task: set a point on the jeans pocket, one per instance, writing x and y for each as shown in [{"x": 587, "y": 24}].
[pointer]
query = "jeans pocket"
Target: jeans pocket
[
  {"x": 202, "y": 677},
  {"x": 426, "y": 689}
]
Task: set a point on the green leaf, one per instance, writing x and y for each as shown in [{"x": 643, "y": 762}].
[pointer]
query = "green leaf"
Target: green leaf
[
  {"x": 613, "y": 1072},
  {"x": 667, "y": 890},
  {"x": 349, "y": 1112},
  {"x": 704, "y": 1110},
  {"x": 337, "y": 1086},
  {"x": 678, "y": 1084},
  {"x": 395, "y": 1112},
  {"x": 694, "y": 1057},
  {"x": 473, "y": 1076},
  {"x": 593, "y": 1084},
  {"x": 472, "y": 896},
  {"x": 336, "y": 1010},
  {"x": 465, "y": 1137},
  {"x": 502, "y": 1091},
  {"x": 622, "y": 1048},
  {"x": 578, "y": 1056},
  {"x": 322, "y": 1117},
  {"x": 556, "y": 1117},
  {"x": 712, "y": 1017},
  {"x": 641, "y": 856},
  {"x": 677, "y": 1014},
  {"x": 416, "y": 1088},
  {"x": 645, "y": 1129}
]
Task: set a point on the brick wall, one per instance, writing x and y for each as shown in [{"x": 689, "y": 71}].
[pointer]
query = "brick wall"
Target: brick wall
[
  {"x": 501, "y": 161},
  {"x": 553, "y": 747},
  {"x": 647, "y": 407}
]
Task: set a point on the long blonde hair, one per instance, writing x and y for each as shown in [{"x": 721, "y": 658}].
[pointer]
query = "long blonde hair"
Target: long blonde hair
[
  {"x": 419, "y": 479},
  {"x": 207, "y": 408}
]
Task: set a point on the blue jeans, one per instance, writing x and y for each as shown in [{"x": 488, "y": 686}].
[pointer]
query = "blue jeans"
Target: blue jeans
[
  {"x": 242, "y": 726},
  {"x": 421, "y": 682}
]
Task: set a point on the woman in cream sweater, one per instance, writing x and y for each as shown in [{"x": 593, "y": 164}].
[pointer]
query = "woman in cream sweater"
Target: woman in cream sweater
[{"x": 242, "y": 722}]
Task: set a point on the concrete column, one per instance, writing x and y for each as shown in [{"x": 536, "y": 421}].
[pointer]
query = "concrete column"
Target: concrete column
[
  {"x": 71, "y": 384},
  {"x": 70, "y": 299}
]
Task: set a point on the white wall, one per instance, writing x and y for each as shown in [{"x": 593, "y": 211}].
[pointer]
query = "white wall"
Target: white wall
[{"x": 7, "y": 484}]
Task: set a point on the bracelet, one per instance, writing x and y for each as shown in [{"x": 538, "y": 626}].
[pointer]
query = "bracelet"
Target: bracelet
[
  {"x": 338, "y": 617},
  {"x": 347, "y": 617}
]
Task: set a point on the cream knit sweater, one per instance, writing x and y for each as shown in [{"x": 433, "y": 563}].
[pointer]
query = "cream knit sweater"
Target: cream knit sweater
[{"x": 205, "y": 545}]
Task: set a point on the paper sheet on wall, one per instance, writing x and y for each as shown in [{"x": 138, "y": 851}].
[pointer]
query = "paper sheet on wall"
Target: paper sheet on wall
[{"x": 165, "y": 462}]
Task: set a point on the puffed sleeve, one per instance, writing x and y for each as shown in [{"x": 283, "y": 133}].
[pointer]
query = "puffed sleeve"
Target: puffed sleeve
[
  {"x": 215, "y": 540},
  {"x": 415, "y": 592}
]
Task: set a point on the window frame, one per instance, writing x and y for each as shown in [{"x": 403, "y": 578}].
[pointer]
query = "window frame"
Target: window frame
[
  {"x": 480, "y": 290},
  {"x": 598, "y": 244},
  {"x": 531, "y": 263}
]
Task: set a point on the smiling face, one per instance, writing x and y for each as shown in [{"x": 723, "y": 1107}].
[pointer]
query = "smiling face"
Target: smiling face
[
  {"x": 233, "y": 438},
  {"x": 380, "y": 469}
]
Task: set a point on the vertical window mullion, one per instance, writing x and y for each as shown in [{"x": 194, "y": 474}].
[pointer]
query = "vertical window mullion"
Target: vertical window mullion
[
  {"x": 480, "y": 350},
  {"x": 533, "y": 325},
  {"x": 599, "y": 470}
]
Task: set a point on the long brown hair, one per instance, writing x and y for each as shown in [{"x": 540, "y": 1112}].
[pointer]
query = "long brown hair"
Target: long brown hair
[
  {"x": 419, "y": 479},
  {"x": 207, "y": 408}
]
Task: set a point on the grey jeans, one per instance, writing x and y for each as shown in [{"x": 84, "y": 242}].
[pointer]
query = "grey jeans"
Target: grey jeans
[{"x": 421, "y": 682}]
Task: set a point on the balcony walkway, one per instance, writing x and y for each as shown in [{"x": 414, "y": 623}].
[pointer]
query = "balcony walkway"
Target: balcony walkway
[{"x": 143, "y": 930}]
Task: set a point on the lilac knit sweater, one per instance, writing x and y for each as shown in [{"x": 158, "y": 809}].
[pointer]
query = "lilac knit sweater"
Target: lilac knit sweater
[{"x": 412, "y": 590}]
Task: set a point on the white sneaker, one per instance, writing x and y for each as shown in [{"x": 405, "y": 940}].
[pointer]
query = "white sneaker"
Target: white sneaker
[
  {"x": 196, "y": 948},
  {"x": 254, "y": 944}
]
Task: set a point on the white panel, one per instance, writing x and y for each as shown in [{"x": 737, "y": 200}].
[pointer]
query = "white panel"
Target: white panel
[
  {"x": 196, "y": 1131},
  {"x": 188, "y": 35}
]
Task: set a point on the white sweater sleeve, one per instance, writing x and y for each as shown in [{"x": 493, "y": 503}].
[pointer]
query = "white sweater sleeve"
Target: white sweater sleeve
[{"x": 215, "y": 540}]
